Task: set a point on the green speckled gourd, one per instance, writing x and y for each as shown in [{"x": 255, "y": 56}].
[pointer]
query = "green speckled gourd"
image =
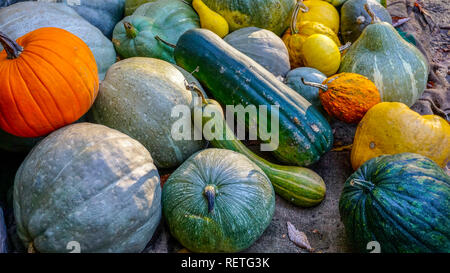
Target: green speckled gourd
[
  {"x": 22, "y": 18},
  {"x": 398, "y": 69},
  {"x": 263, "y": 46},
  {"x": 273, "y": 15},
  {"x": 89, "y": 184},
  {"x": 401, "y": 201},
  {"x": 218, "y": 201},
  {"x": 136, "y": 35},
  {"x": 132, "y": 5},
  {"x": 137, "y": 97},
  {"x": 354, "y": 18}
]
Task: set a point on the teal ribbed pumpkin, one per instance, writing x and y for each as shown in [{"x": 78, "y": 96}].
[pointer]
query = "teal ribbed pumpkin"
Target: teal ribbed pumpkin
[
  {"x": 218, "y": 201},
  {"x": 402, "y": 201},
  {"x": 135, "y": 35}
]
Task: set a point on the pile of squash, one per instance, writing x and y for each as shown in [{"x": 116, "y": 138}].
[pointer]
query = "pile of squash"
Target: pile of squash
[{"x": 92, "y": 104}]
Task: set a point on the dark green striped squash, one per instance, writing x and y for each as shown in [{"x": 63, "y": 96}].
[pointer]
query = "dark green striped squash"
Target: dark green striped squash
[
  {"x": 401, "y": 201},
  {"x": 235, "y": 79},
  {"x": 218, "y": 201}
]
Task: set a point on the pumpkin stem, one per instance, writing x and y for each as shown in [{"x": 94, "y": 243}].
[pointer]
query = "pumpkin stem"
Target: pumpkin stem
[
  {"x": 193, "y": 88},
  {"x": 372, "y": 15},
  {"x": 130, "y": 30},
  {"x": 298, "y": 6},
  {"x": 210, "y": 194},
  {"x": 363, "y": 184},
  {"x": 314, "y": 84},
  {"x": 13, "y": 49},
  {"x": 344, "y": 47},
  {"x": 31, "y": 248},
  {"x": 165, "y": 42}
]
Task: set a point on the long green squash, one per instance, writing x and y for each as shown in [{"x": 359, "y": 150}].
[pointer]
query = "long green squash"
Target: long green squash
[
  {"x": 300, "y": 186},
  {"x": 235, "y": 79}
]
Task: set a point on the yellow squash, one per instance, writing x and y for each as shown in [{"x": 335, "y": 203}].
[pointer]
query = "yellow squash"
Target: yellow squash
[
  {"x": 322, "y": 12},
  {"x": 391, "y": 128},
  {"x": 210, "y": 20},
  {"x": 322, "y": 53}
]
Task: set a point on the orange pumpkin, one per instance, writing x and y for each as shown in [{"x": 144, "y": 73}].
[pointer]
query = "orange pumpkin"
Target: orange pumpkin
[
  {"x": 48, "y": 80},
  {"x": 347, "y": 96}
]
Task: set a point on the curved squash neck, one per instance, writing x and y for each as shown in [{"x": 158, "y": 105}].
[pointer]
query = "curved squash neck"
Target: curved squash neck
[{"x": 13, "y": 49}]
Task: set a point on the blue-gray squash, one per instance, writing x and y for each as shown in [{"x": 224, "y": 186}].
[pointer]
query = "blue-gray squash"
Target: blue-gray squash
[
  {"x": 354, "y": 18},
  {"x": 3, "y": 233},
  {"x": 294, "y": 80},
  {"x": 21, "y": 18},
  {"x": 87, "y": 185},
  {"x": 137, "y": 98},
  {"x": 218, "y": 201},
  {"x": 398, "y": 69},
  {"x": 263, "y": 46}
]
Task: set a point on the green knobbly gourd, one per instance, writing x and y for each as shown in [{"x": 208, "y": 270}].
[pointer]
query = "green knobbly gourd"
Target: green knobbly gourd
[
  {"x": 218, "y": 201},
  {"x": 235, "y": 79},
  {"x": 89, "y": 184},
  {"x": 398, "y": 69},
  {"x": 402, "y": 201}
]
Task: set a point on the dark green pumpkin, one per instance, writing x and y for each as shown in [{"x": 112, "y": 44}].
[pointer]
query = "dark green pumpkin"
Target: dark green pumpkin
[
  {"x": 89, "y": 184},
  {"x": 273, "y": 15},
  {"x": 136, "y": 35},
  {"x": 218, "y": 201},
  {"x": 354, "y": 18},
  {"x": 402, "y": 201},
  {"x": 398, "y": 69},
  {"x": 233, "y": 78}
]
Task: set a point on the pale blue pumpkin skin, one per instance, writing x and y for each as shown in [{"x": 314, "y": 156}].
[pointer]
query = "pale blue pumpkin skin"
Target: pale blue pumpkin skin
[
  {"x": 398, "y": 68},
  {"x": 243, "y": 205},
  {"x": 90, "y": 184},
  {"x": 294, "y": 80}
]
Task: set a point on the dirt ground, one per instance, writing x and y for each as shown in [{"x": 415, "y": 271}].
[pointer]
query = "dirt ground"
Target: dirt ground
[{"x": 322, "y": 224}]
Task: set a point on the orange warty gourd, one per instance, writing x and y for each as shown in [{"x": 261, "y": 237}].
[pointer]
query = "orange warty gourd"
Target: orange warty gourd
[
  {"x": 48, "y": 80},
  {"x": 347, "y": 96}
]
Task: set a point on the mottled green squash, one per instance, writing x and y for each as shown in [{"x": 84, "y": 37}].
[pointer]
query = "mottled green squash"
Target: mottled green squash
[
  {"x": 218, "y": 201},
  {"x": 354, "y": 18},
  {"x": 137, "y": 98},
  {"x": 88, "y": 184},
  {"x": 22, "y": 18},
  {"x": 136, "y": 35},
  {"x": 132, "y": 5},
  {"x": 398, "y": 69},
  {"x": 273, "y": 15},
  {"x": 401, "y": 201}
]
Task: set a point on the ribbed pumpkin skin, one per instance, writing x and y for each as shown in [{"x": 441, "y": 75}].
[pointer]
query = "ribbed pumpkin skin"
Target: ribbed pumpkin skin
[
  {"x": 354, "y": 18},
  {"x": 137, "y": 98},
  {"x": 304, "y": 133},
  {"x": 244, "y": 204},
  {"x": 52, "y": 83},
  {"x": 391, "y": 128},
  {"x": 273, "y": 15},
  {"x": 398, "y": 69},
  {"x": 404, "y": 205},
  {"x": 349, "y": 96},
  {"x": 22, "y": 18},
  {"x": 90, "y": 184},
  {"x": 263, "y": 46}
]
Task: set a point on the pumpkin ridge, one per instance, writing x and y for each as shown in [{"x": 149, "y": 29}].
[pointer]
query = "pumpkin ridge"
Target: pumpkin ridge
[
  {"x": 14, "y": 99},
  {"x": 38, "y": 108},
  {"x": 400, "y": 225},
  {"x": 91, "y": 96},
  {"x": 99, "y": 192}
]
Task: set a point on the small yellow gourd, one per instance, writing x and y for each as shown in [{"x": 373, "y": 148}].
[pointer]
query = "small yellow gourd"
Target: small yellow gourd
[
  {"x": 322, "y": 12},
  {"x": 321, "y": 53},
  {"x": 211, "y": 20},
  {"x": 393, "y": 128}
]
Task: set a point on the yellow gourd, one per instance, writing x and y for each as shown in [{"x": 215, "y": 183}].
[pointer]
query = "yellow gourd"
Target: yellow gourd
[
  {"x": 322, "y": 12},
  {"x": 392, "y": 128},
  {"x": 322, "y": 53},
  {"x": 211, "y": 20},
  {"x": 294, "y": 36}
]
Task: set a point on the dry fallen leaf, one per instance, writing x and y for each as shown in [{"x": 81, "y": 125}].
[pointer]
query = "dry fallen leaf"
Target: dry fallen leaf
[{"x": 299, "y": 238}]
